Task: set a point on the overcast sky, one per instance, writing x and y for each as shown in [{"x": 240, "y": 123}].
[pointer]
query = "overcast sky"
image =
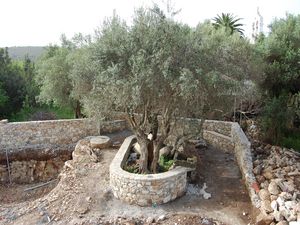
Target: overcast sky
[{"x": 41, "y": 22}]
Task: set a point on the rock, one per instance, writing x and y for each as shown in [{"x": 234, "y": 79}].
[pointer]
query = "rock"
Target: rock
[
  {"x": 290, "y": 204},
  {"x": 264, "y": 194},
  {"x": 256, "y": 162},
  {"x": 162, "y": 218},
  {"x": 100, "y": 142},
  {"x": 132, "y": 157},
  {"x": 262, "y": 219},
  {"x": 128, "y": 223},
  {"x": 266, "y": 206},
  {"x": 282, "y": 223},
  {"x": 287, "y": 169},
  {"x": 260, "y": 179},
  {"x": 88, "y": 199},
  {"x": 136, "y": 147},
  {"x": 268, "y": 175},
  {"x": 274, "y": 205},
  {"x": 286, "y": 195},
  {"x": 83, "y": 152},
  {"x": 277, "y": 215},
  {"x": 284, "y": 212},
  {"x": 273, "y": 188},
  {"x": 165, "y": 151},
  {"x": 201, "y": 144},
  {"x": 204, "y": 193},
  {"x": 82, "y": 206},
  {"x": 257, "y": 170},
  {"x": 149, "y": 220},
  {"x": 206, "y": 221},
  {"x": 273, "y": 197},
  {"x": 264, "y": 185},
  {"x": 290, "y": 187},
  {"x": 294, "y": 223},
  {"x": 280, "y": 201}
]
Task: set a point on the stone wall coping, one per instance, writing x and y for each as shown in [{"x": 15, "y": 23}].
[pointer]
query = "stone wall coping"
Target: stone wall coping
[
  {"x": 56, "y": 121},
  {"x": 121, "y": 157},
  {"x": 229, "y": 139}
]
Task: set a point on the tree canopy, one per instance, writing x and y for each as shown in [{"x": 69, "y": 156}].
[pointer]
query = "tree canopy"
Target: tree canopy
[
  {"x": 281, "y": 53},
  {"x": 156, "y": 71}
]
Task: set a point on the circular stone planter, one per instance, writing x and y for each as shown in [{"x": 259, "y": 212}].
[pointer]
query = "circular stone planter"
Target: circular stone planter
[{"x": 145, "y": 190}]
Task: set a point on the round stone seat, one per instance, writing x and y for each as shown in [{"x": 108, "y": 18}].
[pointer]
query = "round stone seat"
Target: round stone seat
[{"x": 100, "y": 142}]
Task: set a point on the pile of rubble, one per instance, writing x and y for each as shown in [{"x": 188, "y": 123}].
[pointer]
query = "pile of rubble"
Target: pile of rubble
[{"x": 277, "y": 171}]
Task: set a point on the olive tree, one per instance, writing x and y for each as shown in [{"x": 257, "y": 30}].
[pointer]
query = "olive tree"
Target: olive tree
[
  {"x": 54, "y": 71},
  {"x": 156, "y": 71},
  {"x": 145, "y": 71}
]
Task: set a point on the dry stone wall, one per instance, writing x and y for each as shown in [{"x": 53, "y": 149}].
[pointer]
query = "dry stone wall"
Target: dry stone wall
[
  {"x": 55, "y": 132},
  {"x": 242, "y": 151},
  {"x": 37, "y": 150}
]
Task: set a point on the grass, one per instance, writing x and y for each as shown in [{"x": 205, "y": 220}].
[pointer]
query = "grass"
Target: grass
[
  {"x": 292, "y": 140},
  {"x": 25, "y": 113}
]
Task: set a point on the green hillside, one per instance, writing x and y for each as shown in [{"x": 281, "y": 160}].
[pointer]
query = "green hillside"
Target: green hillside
[{"x": 18, "y": 53}]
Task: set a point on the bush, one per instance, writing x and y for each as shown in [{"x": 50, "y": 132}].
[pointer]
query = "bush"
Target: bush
[
  {"x": 291, "y": 140},
  {"x": 28, "y": 113},
  {"x": 165, "y": 163},
  {"x": 275, "y": 119}
]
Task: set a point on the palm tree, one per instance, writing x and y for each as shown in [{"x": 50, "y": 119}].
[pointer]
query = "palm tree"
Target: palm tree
[{"x": 228, "y": 21}]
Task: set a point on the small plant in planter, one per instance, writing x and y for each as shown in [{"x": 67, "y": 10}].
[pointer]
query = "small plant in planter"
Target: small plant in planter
[{"x": 165, "y": 163}]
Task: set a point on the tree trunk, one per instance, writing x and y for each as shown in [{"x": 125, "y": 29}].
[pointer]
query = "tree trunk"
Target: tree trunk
[
  {"x": 143, "y": 142},
  {"x": 77, "y": 110},
  {"x": 150, "y": 153},
  {"x": 157, "y": 145}
]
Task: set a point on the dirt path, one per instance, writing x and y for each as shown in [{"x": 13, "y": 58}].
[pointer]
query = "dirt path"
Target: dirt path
[{"x": 83, "y": 197}]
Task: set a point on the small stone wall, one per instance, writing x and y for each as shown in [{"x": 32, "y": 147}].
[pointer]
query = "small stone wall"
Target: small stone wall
[
  {"x": 220, "y": 127},
  {"x": 18, "y": 134},
  {"x": 242, "y": 151},
  {"x": 221, "y": 141},
  {"x": 145, "y": 190},
  {"x": 216, "y": 133},
  {"x": 37, "y": 150}
]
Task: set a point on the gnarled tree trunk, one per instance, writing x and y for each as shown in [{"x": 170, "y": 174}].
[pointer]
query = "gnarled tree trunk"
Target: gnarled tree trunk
[
  {"x": 77, "y": 110},
  {"x": 157, "y": 145},
  {"x": 143, "y": 142},
  {"x": 158, "y": 141}
]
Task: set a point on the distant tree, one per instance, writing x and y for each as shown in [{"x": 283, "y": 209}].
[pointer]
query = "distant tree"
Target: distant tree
[
  {"x": 53, "y": 78},
  {"x": 31, "y": 87},
  {"x": 229, "y": 22},
  {"x": 281, "y": 81},
  {"x": 228, "y": 63},
  {"x": 3, "y": 97},
  {"x": 12, "y": 85},
  {"x": 55, "y": 69},
  {"x": 281, "y": 52}
]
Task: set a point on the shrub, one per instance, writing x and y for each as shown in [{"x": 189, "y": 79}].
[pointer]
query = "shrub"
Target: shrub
[
  {"x": 275, "y": 119},
  {"x": 165, "y": 163}
]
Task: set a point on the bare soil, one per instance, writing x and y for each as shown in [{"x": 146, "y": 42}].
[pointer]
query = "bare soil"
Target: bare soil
[{"x": 83, "y": 196}]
